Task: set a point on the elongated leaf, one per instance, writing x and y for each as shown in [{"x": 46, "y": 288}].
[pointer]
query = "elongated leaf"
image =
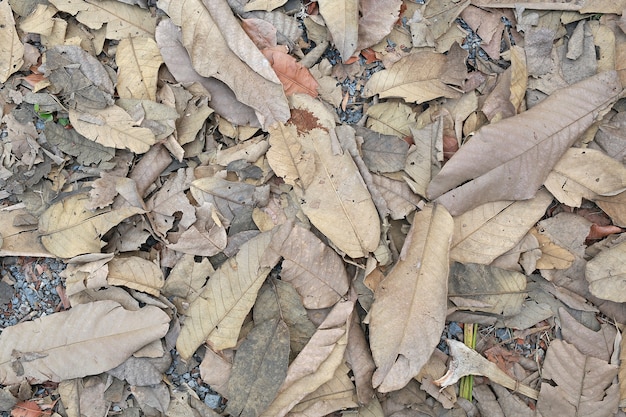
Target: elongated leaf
[
  {"x": 317, "y": 362},
  {"x": 113, "y": 127},
  {"x": 11, "y": 49},
  {"x": 342, "y": 20},
  {"x": 218, "y": 313},
  {"x": 376, "y": 21},
  {"x": 138, "y": 61},
  {"x": 409, "y": 310},
  {"x": 582, "y": 385},
  {"x": 259, "y": 369},
  {"x": 288, "y": 157},
  {"x": 294, "y": 76},
  {"x": 68, "y": 229},
  {"x": 336, "y": 394},
  {"x": 415, "y": 78},
  {"x": 500, "y": 161},
  {"x": 606, "y": 274},
  {"x": 86, "y": 340},
  {"x": 486, "y": 232}
]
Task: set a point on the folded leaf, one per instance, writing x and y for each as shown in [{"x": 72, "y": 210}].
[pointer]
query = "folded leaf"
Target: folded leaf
[
  {"x": 606, "y": 274},
  {"x": 12, "y": 50},
  {"x": 86, "y": 340},
  {"x": 409, "y": 311},
  {"x": 137, "y": 273},
  {"x": 501, "y": 161}
]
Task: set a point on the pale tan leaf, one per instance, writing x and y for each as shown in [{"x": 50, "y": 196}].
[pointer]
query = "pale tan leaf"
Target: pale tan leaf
[
  {"x": 606, "y": 274},
  {"x": 39, "y": 21},
  {"x": 382, "y": 153},
  {"x": 487, "y": 231},
  {"x": 187, "y": 278},
  {"x": 576, "y": 385},
  {"x": 231, "y": 57},
  {"x": 373, "y": 409},
  {"x": 317, "y": 362},
  {"x": 288, "y": 158},
  {"x": 137, "y": 273},
  {"x": 195, "y": 115},
  {"x": 400, "y": 199},
  {"x": 598, "y": 344},
  {"x": 68, "y": 229},
  {"x": 615, "y": 207},
  {"x": 414, "y": 78},
  {"x": 585, "y": 173},
  {"x": 314, "y": 269},
  {"x": 206, "y": 240},
  {"x": 259, "y": 369},
  {"x": 359, "y": 359},
  {"x": 215, "y": 369},
  {"x": 499, "y": 163},
  {"x": 86, "y": 340},
  {"x": 122, "y": 20},
  {"x": 409, "y": 310},
  {"x": 218, "y": 313},
  {"x": 441, "y": 15},
  {"x": 342, "y": 20},
  {"x": 424, "y": 159},
  {"x": 20, "y": 239},
  {"x": 376, "y": 21},
  {"x": 86, "y": 272},
  {"x": 250, "y": 151},
  {"x": 267, "y": 5},
  {"x": 11, "y": 49},
  {"x": 138, "y": 61},
  {"x": 113, "y": 127},
  {"x": 500, "y": 290},
  {"x": 553, "y": 256},
  {"x": 171, "y": 199},
  {"x": 336, "y": 394},
  {"x": 391, "y": 117}
]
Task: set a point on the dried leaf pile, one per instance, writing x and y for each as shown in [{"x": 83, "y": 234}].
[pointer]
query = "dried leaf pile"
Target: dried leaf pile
[{"x": 193, "y": 164}]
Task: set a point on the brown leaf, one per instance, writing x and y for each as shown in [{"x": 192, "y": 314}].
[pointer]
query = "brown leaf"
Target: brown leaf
[
  {"x": 597, "y": 344},
  {"x": 578, "y": 384},
  {"x": 382, "y": 153},
  {"x": 342, "y": 20},
  {"x": 137, "y": 273},
  {"x": 482, "y": 171},
  {"x": 391, "y": 117},
  {"x": 409, "y": 310},
  {"x": 334, "y": 395},
  {"x": 12, "y": 50},
  {"x": 376, "y": 21},
  {"x": 415, "y": 78},
  {"x": 86, "y": 340},
  {"x": 171, "y": 199},
  {"x": 138, "y": 61},
  {"x": 294, "y": 76},
  {"x": 606, "y": 274}
]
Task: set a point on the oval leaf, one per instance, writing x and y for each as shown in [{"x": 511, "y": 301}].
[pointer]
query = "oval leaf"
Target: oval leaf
[
  {"x": 137, "y": 273},
  {"x": 606, "y": 274}
]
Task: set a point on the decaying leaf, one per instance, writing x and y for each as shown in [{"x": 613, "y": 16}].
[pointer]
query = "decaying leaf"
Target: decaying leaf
[
  {"x": 409, "y": 310},
  {"x": 86, "y": 340},
  {"x": 415, "y": 78},
  {"x": 606, "y": 274},
  {"x": 12, "y": 50},
  {"x": 114, "y": 128},
  {"x": 259, "y": 369},
  {"x": 68, "y": 229},
  {"x": 218, "y": 313},
  {"x": 581, "y": 385},
  {"x": 498, "y": 163}
]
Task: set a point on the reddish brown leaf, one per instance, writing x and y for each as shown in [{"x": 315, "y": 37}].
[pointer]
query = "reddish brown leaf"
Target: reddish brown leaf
[
  {"x": 599, "y": 232},
  {"x": 295, "y": 77}
]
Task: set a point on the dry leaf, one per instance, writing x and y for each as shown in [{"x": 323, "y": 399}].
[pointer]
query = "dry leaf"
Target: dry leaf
[
  {"x": 138, "y": 61},
  {"x": 553, "y": 256},
  {"x": 294, "y": 76},
  {"x": 113, "y": 127},
  {"x": 73, "y": 143},
  {"x": 267, "y": 5},
  {"x": 137, "y": 273},
  {"x": 342, "y": 20},
  {"x": 382, "y": 153},
  {"x": 400, "y": 199},
  {"x": 498, "y": 163},
  {"x": 12, "y": 50},
  {"x": 606, "y": 274},
  {"x": 259, "y": 369},
  {"x": 415, "y": 78},
  {"x": 171, "y": 199},
  {"x": 598, "y": 344},
  {"x": 580, "y": 385},
  {"x": 317, "y": 362},
  {"x": 409, "y": 310},
  {"x": 487, "y": 231},
  {"x": 424, "y": 159},
  {"x": 86, "y": 340},
  {"x": 391, "y": 118},
  {"x": 218, "y": 313},
  {"x": 68, "y": 229},
  {"x": 122, "y": 20},
  {"x": 376, "y": 21}
]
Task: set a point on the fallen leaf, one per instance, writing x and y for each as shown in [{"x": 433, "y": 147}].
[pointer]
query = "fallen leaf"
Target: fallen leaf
[
  {"x": 376, "y": 21},
  {"x": 12, "y": 50},
  {"x": 259, "y": 369},
  {"x": 511, "y": 175},
  {"x": 138, "y": 60},
  {"x": 171, "y": 199},
  {"x": 295, "y": 77},
  {"x": 391, "y": 118},
  {"x": 415, "y": 78},
  {"x": 114, "y": 128},
  {"x": 382, "y": 153},
  {"x": 424, "y": 159},
  {"x": 409, "y": 309},
  {"x": 137, "y": 273},
  {"x": 598, "y": 344},
  {"x": 333, "y": 395},
  {"x": 487, "y": 231},
  {"x": 73, "y": 143},
  {"x": 606, "y": 274},
  {"x": 68, "y": 229},
  {"x": 219, "y": 311},
  {"x": 400, "y": 198},
  {"x": 342, "y": 20},
  {"x": 122, "y": 20},
  {"x": 187, "y": 278},
  {"x": 579, "y": 384},
  {"x": 600, "y": 232},
  {"x": 267, "y": 5},
  {"x": 553, "y": 256},
  {"x": 86, "y": 340}
]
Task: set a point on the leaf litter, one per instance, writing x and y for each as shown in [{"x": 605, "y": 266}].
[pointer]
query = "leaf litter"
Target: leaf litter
[{"x": 298, "y": 208}]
